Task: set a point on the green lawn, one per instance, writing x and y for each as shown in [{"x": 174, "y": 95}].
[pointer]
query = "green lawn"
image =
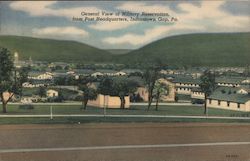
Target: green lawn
[
  {"x": 134, "y": 110},
  {"x": 101, "y": 119}
]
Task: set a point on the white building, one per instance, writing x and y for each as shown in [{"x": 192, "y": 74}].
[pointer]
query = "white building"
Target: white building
[
  {"x": 52, "y": 93},
  {"x": 40, "y": 76},
  {"x": 184, "y": 85},
  {"x": 229, "y": 98}
]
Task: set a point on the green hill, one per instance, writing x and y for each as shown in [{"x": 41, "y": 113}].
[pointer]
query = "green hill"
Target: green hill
[
  {"x": 224, "y": 49},
  {"x": 53, "y": 50}
]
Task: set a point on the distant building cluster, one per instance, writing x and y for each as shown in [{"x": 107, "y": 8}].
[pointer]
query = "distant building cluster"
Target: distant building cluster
[{"x": 232, "y": 92}]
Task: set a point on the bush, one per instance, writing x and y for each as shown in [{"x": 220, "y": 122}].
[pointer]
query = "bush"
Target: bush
[
  {"x": 26, "y": 107},
  {"x": 176, "y": 98},
  {"x": 197, "y": 101}
]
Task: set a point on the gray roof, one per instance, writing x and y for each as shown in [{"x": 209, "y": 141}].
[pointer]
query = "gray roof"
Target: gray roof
[
  {"x": 186, "y": 79},
  {"x": 231, "y": 80},
  {"x": 35, "y": 73}
]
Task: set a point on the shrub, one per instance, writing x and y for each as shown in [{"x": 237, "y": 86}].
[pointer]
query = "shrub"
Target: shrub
[
  {"x": 223, "y": 91},
  {"x": 26, "y": 107}
]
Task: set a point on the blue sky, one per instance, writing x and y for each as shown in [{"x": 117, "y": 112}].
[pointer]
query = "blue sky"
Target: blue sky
[{"x": 51, "y": 19}]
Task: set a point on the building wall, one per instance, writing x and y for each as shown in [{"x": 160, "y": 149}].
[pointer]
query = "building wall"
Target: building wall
[
  {"x": 232, "y": 105},
  {"x": 228, "y": 84},
  {"x": 6, "y": 95},
  {"x": 44, "y": 76},
  {"x": 183, "y": 90},
  {"x": 198, "y": 95},
  {"x": 186, "y": 85},
  {"x": 142, "y": 91},
  {"x": 109, "y": 101},
  {"x": 171, "y": 92},
  {"x": 52, "y": 93},
  {"x": 248, "y": 105}
]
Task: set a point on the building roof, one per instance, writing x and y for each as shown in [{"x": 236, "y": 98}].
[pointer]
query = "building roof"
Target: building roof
[
  {"x": 231, "y": 80},
  {"x": 129, "y": 71},
  {"x": 229, "y": 94},
  {"x": 185, "y": 79},
  {"x": 196, "y": 89}
]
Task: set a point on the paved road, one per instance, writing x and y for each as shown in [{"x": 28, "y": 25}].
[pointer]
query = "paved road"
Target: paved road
[{"x": 126, "y": 142}]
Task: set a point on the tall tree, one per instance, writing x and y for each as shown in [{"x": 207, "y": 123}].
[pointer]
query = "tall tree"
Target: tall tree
[
  {"x": 123, "y": 87},
  {"x": 160, "y": 89},
  {"x": 207, "y": 85},
  {"x": 105, "y": 86},
  {"x": 9, "y": 78},
  {"x": 150, "y": 77},
  {"x": 89, "y": 93},
  {"x": 22, "y": 77},
  {"x": 120, "y": 87}
]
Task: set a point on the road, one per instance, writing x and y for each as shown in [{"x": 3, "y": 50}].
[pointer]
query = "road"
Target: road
[
  {"x": 126, "y": 142},
  {"x": 122, "y": 116}
]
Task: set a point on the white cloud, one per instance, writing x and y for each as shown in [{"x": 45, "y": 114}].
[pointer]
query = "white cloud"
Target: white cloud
[
  {"x": 149, "y": 35},
  {"x": 111, "y": 26},
  {"x": 207, "y": 17},
  {"x": 143, "y": 7},
  {"x": 60, "y": 31},
  {"x": 43, "y": 8}
]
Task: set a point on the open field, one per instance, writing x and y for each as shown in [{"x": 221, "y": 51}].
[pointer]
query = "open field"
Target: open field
[
  {"x": 196, "y": 110},
  {"x": 135, "y": 110},
  {"x": 126, "y": 142}
]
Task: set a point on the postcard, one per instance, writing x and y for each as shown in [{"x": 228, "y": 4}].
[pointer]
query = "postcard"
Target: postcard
[{"x": 125, "y": 80}]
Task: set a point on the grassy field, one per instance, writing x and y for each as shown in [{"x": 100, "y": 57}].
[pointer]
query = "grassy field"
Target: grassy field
[{"x": 134, "y": 110}]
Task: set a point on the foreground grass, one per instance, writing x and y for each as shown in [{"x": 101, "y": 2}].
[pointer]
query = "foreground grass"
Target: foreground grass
[
  {"x": 82, "y": 120},
  {"x": 134, "y": 110}
]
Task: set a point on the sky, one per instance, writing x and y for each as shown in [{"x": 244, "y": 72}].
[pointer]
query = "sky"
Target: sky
[{"x": 53, "y": 19}]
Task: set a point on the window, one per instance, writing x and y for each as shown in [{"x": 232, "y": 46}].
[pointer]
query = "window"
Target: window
[
  {"x": 238, "y": 105},
  {"x": 218, "y": 102},
  {"x": 228, "y": 103},
  {"x": 210, "y": 101}
]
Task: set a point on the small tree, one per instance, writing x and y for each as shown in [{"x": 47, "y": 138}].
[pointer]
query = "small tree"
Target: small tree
[
  {"x": 207, "y": 85},
  {"x": 41, "y": 91},
  {"x": 22, "y": 77},
  {"x": 10, "y": 78},
  {"x": 160, "y": 89},
  {"x": 105, "y": 86},
  {"x": 88, "y": 94},
  {"x": 150, "y": 77}
]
